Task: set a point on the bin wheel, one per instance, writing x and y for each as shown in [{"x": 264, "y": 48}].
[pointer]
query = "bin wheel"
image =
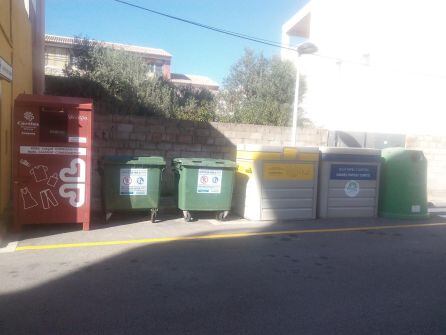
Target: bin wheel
[
  {"x": 153, "y": 215},
  {"x": 107, "y": 217},
  {"x": 187, "y": 216},
  {"x": 221, "y": 216}
]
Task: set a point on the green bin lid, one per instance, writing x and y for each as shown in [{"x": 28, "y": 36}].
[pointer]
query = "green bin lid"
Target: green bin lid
[
  {"x": 135, "y": 160},
  {"x": 204, "y": 162},
  {"x": 402, "y": 154}
]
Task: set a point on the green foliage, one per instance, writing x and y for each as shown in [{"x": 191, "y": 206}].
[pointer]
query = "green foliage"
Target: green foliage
[
  {"x": 120, "y": 82},
  {"x": 261, "y": 91},
  {"x": 195, "y": 105},
  {"x": 258, "y": 90}
]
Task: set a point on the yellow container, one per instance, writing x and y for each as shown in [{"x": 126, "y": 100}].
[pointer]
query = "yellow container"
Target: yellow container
[{"x": 276, "y": 183}]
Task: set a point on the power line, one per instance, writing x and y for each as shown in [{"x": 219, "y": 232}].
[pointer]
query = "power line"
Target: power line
[
  {"x": 219, "y": 30},
  {"x": 258, "y": 39}
]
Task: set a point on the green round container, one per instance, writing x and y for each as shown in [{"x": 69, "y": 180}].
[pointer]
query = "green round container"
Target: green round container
[{"x": 403, "y": 187}]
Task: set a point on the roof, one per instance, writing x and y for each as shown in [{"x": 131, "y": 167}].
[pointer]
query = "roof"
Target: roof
[
  {"x": 193, "y": 80},
  {"x": 66, "y": 40},
  {"x": 299, "y": 24}
]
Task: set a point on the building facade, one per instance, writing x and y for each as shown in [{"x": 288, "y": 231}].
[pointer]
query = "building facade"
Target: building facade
[
  {"x": 379, "y": 66},
  {"x": 58, "y": 53},
  {"x": 198, "y": 82},
  {"x": 21, "y": 71}
]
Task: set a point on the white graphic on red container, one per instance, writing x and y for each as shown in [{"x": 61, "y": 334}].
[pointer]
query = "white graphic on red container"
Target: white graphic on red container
[
  {"x": 28, "y": 127},
  {"x": 48, "y": 199},
  {"x": 52, "y": 181},
  {"x": 77, "y": 139},
  {"x": 59, "y": 151},
  {"x": 39, "y": 173},
  {"x": 27, "y": 198},
  {"x": 28, "y": 116},
  {"x": 75, "y": 173},
  {"x": 74, "y": 192},
  {"x": 75, "y": 177},
  {"x": 24, "y": 162}
]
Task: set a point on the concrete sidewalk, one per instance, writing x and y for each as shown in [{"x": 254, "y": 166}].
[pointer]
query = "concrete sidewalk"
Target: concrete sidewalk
[
  {"x": 135, "y": 229},
  {"x": 136, "y": 226}
]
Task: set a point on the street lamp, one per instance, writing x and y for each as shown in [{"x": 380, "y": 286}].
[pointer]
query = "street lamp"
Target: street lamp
[{"x": 302, "y": 49}]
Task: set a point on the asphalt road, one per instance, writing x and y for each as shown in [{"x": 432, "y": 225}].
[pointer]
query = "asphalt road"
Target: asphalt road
[{"x": 374, "y": 282}]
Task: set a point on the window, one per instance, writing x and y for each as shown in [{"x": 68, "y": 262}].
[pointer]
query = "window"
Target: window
[
  {"x": 155, "y": 66},
  {"x": 56, "y": 60},
  {"x": 158, "y": 70},
  {"x": 58, "y": 56}
]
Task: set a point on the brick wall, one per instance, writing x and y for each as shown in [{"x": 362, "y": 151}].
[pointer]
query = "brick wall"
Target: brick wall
[
  {"x": 140, "y": 136},
  {"x": 434, "y": 148}
]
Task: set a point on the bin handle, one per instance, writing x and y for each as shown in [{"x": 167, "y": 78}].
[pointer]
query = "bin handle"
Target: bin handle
[
  {"x": 162, "y": 173},
  {"x": 179, "y": 167}
]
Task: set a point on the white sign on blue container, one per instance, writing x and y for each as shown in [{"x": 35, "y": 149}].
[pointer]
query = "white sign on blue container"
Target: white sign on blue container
[{"x": 353, "y": 172}]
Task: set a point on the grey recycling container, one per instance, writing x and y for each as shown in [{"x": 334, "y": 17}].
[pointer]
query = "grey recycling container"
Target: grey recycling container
[{"x": 348, "y": 182}]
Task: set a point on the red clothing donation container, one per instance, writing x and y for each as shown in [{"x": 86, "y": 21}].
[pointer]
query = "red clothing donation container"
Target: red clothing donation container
[{"x": 52, "y": 160}]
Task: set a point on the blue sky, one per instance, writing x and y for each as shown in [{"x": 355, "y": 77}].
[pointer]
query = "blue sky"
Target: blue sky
[{"x": 194, "y": 50}]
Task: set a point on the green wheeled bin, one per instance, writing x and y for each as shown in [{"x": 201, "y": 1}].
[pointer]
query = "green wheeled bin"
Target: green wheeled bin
[
  {"x": 131, "y": 184},
  {"x": 403, "y": 190},
  {"x": 204, "y": 184}
]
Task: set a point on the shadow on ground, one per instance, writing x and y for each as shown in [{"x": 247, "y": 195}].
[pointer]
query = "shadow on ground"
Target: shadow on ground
[
  {"x": 370, "y": 282},
  {"x": 118, "y": 219}
]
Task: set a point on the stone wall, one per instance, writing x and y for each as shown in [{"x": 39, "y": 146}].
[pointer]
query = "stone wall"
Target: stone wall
[
  {"x": 134, "y": 136},
  {"x": 434, "y": 148},
  {"x": 140, "y": 136}
]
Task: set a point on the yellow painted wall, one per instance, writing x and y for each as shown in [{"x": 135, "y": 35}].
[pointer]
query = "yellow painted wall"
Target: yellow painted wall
[{"x": 16, "y": 49}]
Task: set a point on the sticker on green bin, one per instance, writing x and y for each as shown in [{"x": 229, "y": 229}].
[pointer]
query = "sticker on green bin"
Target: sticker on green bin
[
  {"x": 209, "y": 181},
  {"x": 133, "y": 181},
  {"x": 416, "y": 209}
]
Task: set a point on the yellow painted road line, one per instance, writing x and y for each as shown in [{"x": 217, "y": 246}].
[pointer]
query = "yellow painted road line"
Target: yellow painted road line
[{"x": 222, "y": 236}]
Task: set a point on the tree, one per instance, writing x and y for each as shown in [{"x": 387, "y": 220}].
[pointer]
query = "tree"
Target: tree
[
  {"x": 195, "y": 104},
  {"x": 125, "y": 83},
  {"x": 261, "y": 91}
]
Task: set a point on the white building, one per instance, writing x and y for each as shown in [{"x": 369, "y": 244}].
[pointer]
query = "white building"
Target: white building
[{"x": 380, "y": 65}]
